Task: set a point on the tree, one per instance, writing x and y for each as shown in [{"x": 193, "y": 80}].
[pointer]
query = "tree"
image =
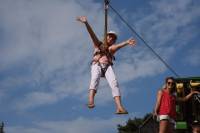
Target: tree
[
  {"x": 1, "y": 127},
  {"x": 140, "y": 125}
]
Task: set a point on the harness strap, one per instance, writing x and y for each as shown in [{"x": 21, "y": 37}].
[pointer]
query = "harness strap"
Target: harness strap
[
  {"x": 107, "y": 54},
  {"x": 103, "y": 69}
]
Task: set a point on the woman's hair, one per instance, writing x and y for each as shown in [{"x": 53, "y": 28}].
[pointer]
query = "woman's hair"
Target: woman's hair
[
  {"x": 167, "y": 78},
  {"x": 173, "y": 87}
]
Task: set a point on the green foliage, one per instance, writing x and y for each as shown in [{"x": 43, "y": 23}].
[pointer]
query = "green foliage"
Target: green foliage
[
  {"x": 145, "y": 124},
  {"x": 131, "y": 126}
]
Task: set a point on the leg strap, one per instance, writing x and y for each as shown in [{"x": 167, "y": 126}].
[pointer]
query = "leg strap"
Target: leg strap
[{"x": 104, "y": 68}]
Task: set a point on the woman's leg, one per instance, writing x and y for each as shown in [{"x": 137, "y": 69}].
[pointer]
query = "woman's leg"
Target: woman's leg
[
  {"x": 91, "y": 96},
  {"x": 120, "y": 109},
  {"x": 95, "y": 78},
  {"x": 164, "y": 126},
  {"x": 111, "y": 78}
]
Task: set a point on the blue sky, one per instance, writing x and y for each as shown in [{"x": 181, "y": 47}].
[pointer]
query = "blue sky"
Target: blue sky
[{"x": 45, "y": 56}]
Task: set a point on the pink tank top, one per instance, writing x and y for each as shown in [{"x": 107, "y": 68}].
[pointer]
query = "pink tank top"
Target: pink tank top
[{"x": 168, "y": 105}]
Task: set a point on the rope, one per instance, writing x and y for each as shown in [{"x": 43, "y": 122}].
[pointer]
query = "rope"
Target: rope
[
  {"x": 106, "y": 3},
  {"x": 146, "y": 44}
]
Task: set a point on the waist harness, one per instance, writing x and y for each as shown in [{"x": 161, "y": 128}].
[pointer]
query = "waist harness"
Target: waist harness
[{"x": 102, "y": 51}]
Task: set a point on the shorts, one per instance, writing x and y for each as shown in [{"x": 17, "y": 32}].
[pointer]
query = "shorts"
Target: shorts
[{"x": 166, "y": 117}]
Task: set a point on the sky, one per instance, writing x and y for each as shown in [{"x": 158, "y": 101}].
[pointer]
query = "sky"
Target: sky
[{"x": 46, "y": 54}]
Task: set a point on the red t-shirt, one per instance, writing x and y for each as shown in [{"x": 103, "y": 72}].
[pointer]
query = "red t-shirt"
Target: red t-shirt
[{"x": 168, "y": 105}]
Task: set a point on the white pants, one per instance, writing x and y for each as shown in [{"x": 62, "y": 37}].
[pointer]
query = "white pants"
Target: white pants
[{"x": 109, "y": 75}]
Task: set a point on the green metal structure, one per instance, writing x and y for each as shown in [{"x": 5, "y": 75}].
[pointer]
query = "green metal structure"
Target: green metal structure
[{"x": 187, "y": 111}]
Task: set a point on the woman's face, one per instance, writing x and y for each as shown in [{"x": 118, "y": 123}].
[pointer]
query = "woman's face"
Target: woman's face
[
  {"x": 196, "y": 129},
  {"x": 170, "y": 84},
  {"x": 111, "y": 39}
]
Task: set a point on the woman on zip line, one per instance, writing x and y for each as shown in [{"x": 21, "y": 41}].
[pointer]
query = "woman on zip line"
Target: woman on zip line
[{"x": 101, "y": 65}]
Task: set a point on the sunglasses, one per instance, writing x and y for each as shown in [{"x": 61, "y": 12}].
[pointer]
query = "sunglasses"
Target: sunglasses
[{"x": 170, "y": 83}]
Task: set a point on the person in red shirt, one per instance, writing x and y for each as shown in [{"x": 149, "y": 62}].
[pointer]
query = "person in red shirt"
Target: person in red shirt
[{"x": 165, "y": 108}]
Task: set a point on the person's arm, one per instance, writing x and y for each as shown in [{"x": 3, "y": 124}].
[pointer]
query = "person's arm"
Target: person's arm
[
  {"x": 158, "y": 101},
  {"x": 183, "y": 99},
  {"x": 116, "y": 47},
  {"x": 94, "y": 38}
]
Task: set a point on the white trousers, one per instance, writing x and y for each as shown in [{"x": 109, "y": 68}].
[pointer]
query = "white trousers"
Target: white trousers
[{"x": 109, "y": 75}]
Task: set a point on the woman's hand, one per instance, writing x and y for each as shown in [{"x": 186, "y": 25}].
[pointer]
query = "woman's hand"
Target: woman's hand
[
  {"x": 131, "y": 42},
  {"x": 155, "y": 114},
  {"x": 82, "y": 19}
]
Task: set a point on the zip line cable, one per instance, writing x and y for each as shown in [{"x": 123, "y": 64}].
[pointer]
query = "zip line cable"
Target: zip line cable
[{"x": 158, "y": 56}]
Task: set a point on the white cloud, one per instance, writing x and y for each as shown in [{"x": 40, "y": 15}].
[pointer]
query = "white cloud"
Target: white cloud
[
  {"x": 145, "y": 65},
  {"x": 168, "y": 21},
  {"x": 167, "y": 27},
  {"x": 193, "y": 57},
  {"x": 45, "y": 54},
  {"x": 44, "y": 38},
  {"x": 81, "y": 124}
]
